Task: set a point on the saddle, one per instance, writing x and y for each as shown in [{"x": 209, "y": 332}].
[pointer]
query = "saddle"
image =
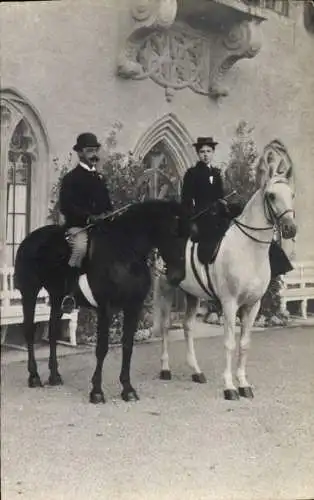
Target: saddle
[
  {"x": 208, "y": 247},
  {"x": 208, "y": 250},
  {"x": 218, "y": 218}
]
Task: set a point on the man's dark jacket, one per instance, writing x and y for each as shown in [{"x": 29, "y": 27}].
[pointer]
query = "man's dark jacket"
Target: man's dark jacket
[
  {"x": 202, "y": 186},
  {"x": 82, "y": 194}
]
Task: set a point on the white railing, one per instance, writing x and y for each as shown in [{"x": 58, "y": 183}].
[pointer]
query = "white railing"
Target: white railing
[
  {"x": 11, "y": 312},
  {"x": 298, "y": 286}
]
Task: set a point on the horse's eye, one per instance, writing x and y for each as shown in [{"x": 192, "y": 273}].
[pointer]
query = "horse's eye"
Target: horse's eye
[{"x": 271, "y": 196}]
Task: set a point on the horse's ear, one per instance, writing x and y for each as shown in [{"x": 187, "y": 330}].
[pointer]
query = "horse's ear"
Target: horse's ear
[{"x": 261, "y": 172}]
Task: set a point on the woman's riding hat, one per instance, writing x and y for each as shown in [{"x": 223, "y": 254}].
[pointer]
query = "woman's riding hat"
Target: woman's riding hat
[
  {"x": 86, "y": 140},
  {"x": 205, "y": 141}
]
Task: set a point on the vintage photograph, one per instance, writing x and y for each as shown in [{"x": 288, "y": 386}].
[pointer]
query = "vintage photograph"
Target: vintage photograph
[{"x": 157, "y": 249}]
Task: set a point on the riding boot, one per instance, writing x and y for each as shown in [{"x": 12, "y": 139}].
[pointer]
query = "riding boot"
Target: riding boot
[{"x": 68, "y": 302}]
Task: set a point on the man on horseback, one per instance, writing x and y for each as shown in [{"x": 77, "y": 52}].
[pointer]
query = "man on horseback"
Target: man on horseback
[
  {"x": 203, "y": 199},
  {"x": 84, "y": 198}
]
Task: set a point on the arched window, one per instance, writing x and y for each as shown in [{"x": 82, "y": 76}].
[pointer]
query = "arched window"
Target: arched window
[
  {"x": 20, "y": 158},
  {"x": 23, "y": 173}
]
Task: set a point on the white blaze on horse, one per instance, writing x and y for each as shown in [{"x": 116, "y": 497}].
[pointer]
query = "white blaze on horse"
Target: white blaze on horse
[{"x": 240, "y": 274}]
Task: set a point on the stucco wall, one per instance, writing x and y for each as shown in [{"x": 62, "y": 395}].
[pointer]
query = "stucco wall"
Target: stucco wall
[{"x": 62, "y": 57}]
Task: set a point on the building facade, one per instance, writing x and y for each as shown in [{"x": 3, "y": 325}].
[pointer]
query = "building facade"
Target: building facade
[{"x": 169, "y": 71}]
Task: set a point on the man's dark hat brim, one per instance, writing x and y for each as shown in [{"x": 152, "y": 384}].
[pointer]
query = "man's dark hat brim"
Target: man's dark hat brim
[
  {"x": 86, "y": 140},
  {"x": 205, "y": 141}
]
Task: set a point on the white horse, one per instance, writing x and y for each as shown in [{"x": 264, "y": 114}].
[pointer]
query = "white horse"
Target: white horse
[{"x": 240, "y": 274}]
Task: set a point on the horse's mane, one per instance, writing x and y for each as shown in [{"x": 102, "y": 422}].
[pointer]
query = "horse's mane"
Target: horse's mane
[{"x": 140, "y": 213}]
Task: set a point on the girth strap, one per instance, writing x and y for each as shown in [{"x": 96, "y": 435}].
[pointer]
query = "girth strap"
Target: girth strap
[{"x": 210, "y": 291}]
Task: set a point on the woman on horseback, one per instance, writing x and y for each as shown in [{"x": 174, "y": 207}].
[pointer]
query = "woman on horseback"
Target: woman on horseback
[{"x": 203, "y": 198}]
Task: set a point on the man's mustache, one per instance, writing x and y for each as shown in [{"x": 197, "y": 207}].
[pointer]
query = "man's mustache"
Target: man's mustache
[{"x": 94, "y": 158}]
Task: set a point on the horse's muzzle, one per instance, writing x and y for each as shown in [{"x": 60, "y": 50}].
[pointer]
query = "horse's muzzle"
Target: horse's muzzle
[{"x": 288, "y": 228}]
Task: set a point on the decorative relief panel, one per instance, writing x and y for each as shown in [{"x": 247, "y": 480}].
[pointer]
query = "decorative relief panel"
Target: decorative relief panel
[
  {"x": 180, "y": 57},
  {"x": 175, "y": 60},
  {"x": 176, "y": 56}
]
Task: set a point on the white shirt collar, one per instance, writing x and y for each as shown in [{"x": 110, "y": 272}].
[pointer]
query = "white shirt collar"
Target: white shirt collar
[{"x": 93, "y": 169}]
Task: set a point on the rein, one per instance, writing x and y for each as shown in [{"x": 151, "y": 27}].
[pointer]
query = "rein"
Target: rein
[
  {"x": 272, "y": 218},
  {"x": 196, "y": 216},
  {"x": 110, "y": 216}
]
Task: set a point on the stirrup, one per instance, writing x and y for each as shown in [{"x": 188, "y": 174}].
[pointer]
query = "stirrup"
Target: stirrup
[{"x": 68, "y": 304}]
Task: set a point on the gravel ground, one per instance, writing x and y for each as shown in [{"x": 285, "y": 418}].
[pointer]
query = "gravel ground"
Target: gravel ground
[{"x": 181, "y": 441}]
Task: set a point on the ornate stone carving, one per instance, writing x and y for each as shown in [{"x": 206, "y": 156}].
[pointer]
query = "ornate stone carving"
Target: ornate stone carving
[
  {"x": 148, "y": 15},
  {"x": 242, "y": 41},
  {"x": 176, "y": 57},
  {"x": 175, "y": 60}
]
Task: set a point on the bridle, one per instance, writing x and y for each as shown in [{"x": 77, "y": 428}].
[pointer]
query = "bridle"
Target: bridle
[{"x": 271, "y": 217}]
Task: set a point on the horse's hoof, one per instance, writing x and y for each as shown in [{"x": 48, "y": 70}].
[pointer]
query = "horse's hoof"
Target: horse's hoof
[
  {"x": 231, "y": 394},
  {"x": 199, "y": 378},
  {"x": 246, "y": 392},
  {"x": 34, "y": 381},
  {"x": 129, "y": 395},
  {"x": 96, "y": 398},
  {"x": 165, "y": 375},
  {"x": 55, "y": 379}
]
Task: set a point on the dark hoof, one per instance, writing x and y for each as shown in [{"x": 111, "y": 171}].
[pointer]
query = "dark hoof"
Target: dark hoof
[
  {"x": 199, "y": 378},
  {"x": 96, "y": 398},
  {"x": 34, "y": 381},
  {"x": 129, "y": 395},
  {"x": 231, "y": 394},
  {"x": 165, "y": 375},
  {"x": 55, "y": 380},
  {"x": 246, "y": 392}
]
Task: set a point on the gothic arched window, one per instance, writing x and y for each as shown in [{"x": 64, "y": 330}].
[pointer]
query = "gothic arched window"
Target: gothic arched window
[
  {"x": 20, "y": 157},
  {"x": 23, "y": 173}
]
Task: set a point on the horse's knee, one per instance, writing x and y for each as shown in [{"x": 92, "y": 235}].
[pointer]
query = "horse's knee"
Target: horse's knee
[
  {"x": 245, "y": 343},
  {"x": 230, "y": 344}
]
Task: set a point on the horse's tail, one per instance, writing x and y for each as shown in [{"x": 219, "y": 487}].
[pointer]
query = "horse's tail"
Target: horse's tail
[{"x": 30, "y": 256}]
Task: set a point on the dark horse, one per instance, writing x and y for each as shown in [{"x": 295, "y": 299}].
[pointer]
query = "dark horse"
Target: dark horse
[{"x": 117, "y": 273}]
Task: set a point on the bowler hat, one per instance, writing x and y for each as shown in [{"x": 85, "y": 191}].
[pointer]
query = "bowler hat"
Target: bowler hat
[
  {"x": 86, "y": 140},
  {"x": 205, "y": 141}
]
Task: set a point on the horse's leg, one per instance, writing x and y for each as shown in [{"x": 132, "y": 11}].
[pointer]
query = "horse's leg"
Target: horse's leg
[
  {"x": 191, "y": 307},
  {"x": 230, "y": 310},
  {"x": 162, "y": 324},
  {"x": 248, "y": 316},
  {"x": 54, "y": 328},
  {"x": 130, "y": 322},
  {"x": 103, "y": 322},
  {"x": 29, "y": 303}
]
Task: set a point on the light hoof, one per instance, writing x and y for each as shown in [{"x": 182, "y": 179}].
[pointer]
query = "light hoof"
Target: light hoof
[
  {"x": 231, "y": 394},
  {"x": 246, "y": 392},
  {"x": 165, "y": 375},
  {"x": 199, "y": 378}
]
